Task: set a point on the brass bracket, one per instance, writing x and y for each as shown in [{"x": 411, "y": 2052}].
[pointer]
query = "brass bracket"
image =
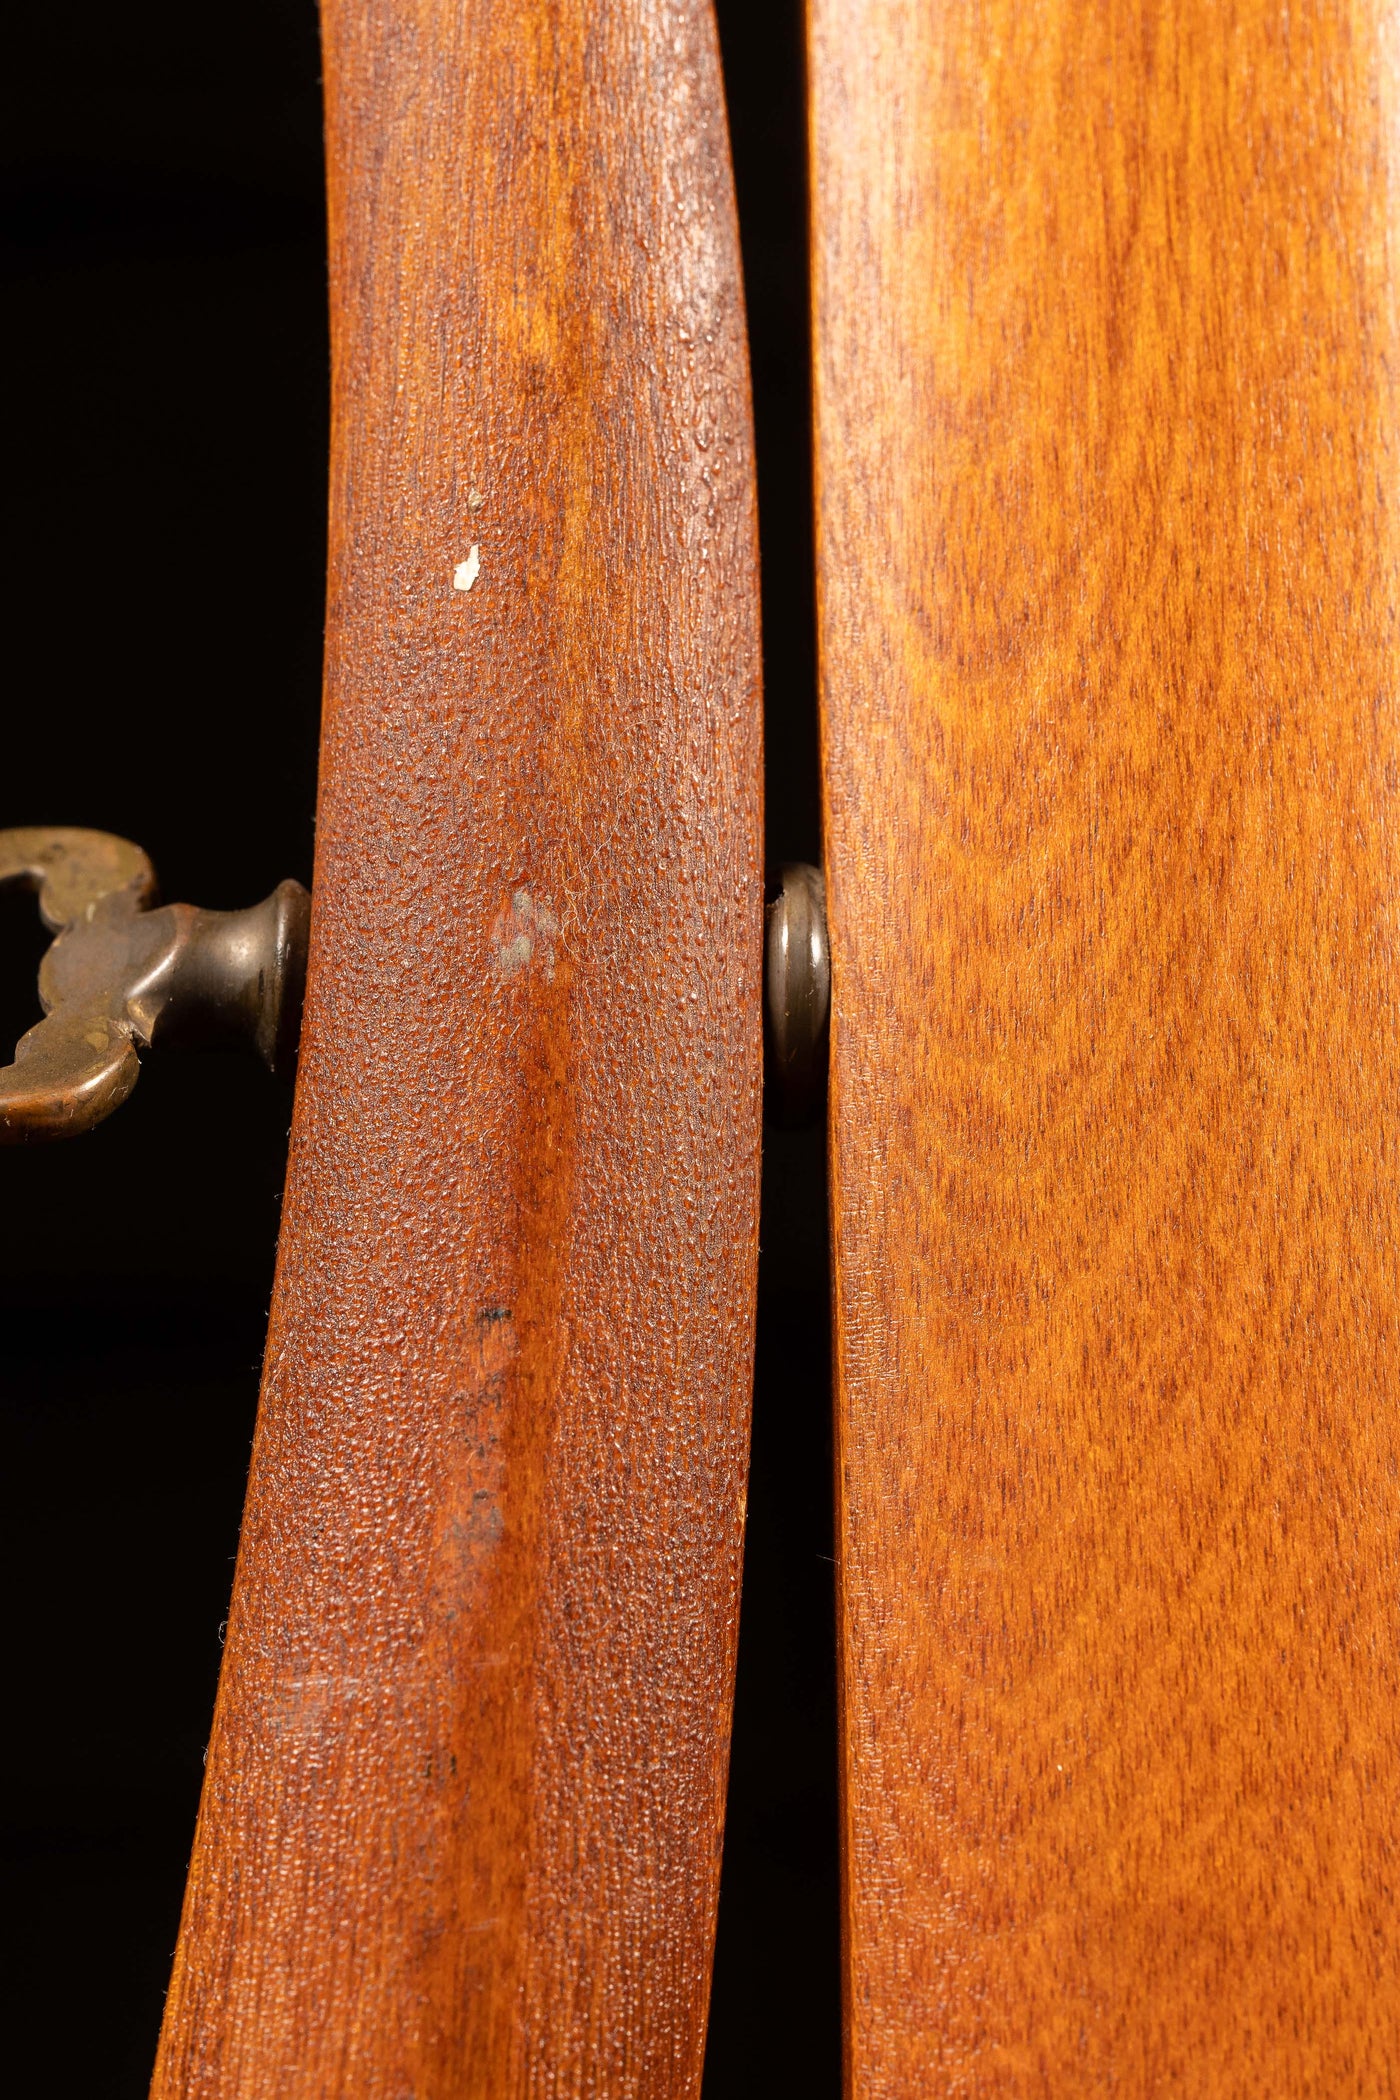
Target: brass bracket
[{"x": 122, "y": 974}]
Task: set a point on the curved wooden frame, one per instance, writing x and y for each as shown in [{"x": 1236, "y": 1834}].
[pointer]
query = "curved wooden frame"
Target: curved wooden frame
[
  {"x": 1109, "y": 564},
  {"x": 461, "y": 1826}
]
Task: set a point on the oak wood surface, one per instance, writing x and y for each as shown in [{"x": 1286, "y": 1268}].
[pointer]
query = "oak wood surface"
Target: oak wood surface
[
  {"x": 1106, "y": 456},
  {"x": 461, "y": 1823}
]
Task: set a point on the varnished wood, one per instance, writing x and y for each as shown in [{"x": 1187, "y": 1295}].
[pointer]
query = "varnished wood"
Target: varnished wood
[
  {"x": 460, "y": 1830},
  {"x": 1107, "y": 446}
]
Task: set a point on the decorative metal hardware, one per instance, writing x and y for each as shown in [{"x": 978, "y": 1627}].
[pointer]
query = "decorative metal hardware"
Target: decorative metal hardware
[
  {"x": 122, "y": 974},
  {"x": 797, "y": 994}
]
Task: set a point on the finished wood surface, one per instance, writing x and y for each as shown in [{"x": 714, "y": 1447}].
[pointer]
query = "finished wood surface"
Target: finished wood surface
[
  {"x": 1108, "y": 533},
  {"x": 460, "y": 1831}
]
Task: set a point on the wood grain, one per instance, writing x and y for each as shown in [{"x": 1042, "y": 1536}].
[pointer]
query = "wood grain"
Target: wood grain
[
  {"x": 461, "y": 1825},
  {"x": 1107, "y": 448}
]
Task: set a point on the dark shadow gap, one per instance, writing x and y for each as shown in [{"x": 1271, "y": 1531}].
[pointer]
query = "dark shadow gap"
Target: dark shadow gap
[
  {"x": 164, "y": 369},
  {"x": 775, "y": 2018}
]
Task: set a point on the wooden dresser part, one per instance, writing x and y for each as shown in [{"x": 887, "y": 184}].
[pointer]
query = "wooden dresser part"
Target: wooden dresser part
[
  {"x": 461, "y": 1826},
  {"x": 1108, "y": 531}
]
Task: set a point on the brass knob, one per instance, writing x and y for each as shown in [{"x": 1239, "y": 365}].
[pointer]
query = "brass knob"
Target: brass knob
[
  {"x": 797, "y": 994},
  {"x": 122, "y": 975}
]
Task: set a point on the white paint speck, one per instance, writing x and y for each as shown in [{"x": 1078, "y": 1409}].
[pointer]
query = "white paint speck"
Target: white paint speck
[{"x": 466, "y": 572}]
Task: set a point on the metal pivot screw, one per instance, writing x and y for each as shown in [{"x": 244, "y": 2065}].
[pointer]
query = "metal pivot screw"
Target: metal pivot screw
[
  {"x": 121, "y": 974},
  {"x": 797, "y": 994}
]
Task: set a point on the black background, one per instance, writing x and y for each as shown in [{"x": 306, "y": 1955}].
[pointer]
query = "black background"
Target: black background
[{"x": 165, "y": 425}]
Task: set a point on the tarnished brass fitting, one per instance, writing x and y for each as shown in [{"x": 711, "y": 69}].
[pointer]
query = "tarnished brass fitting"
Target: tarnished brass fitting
[
  {"x": 797, "y": 994},
  {"x": 122, "y": 975}
]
